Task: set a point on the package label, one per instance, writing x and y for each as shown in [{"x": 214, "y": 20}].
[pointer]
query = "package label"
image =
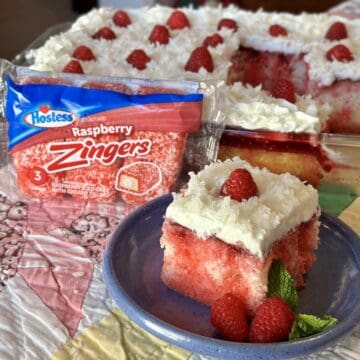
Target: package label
[
  {"x": 95, "y": 143},
  {"x": 33, "y": 109}
]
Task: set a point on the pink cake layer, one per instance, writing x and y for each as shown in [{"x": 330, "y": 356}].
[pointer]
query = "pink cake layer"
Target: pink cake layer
[
  {"x": 263, "y": 67},
  {"x": 343, "y": 96},
  {"x": 207, "y": 269}
]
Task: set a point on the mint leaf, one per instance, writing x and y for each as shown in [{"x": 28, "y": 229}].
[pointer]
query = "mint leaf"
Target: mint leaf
[
  {"x": 306, "y": 325},
  {"x": 280, "y": 283},
  {"x": 296, "y": 332}
]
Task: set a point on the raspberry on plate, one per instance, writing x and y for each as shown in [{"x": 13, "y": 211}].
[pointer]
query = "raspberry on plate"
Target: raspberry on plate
[
  {"x": 160, "y": 34},
  {"x": 121, "y": 18},
  {"x": 272, "y": 322},
  {"x": 138, "y": 59},
  {"x": 200, "y": 57},
  {"x": 213, "y": 40},
  {"x": 229, "y": 317},
  {"x": 84, "y": 53},
  {"x": 239, "y": 185},
  {"x": 227, "y": 23},
  {"x": 104, "y": 33},
  {"x": 340, "y": 53},
  {"x": 277, "y": 30},
  {"x": 73, "y": 66},
  {"x": 283, "y": 89},
  {"x": 337, "y": 31},
  {"x": 178, "y": 20}
]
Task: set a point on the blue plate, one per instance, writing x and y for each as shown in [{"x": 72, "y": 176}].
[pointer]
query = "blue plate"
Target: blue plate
[{"x": 132, "y": 265}]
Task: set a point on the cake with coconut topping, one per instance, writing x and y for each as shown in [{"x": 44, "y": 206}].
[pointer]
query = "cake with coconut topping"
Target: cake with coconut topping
[
  {"x": 308, "y": 54},
  {"x": 221, "y": 233}
]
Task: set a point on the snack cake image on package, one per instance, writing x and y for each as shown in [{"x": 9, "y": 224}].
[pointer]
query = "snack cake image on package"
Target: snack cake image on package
[{"x": 101, "y": 140}]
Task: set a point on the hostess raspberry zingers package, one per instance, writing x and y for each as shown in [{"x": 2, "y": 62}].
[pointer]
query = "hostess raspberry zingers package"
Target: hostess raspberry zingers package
[{"x": 105, "y": 139}]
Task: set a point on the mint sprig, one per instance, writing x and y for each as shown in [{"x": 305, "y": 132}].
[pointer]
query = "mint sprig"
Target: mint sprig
[
  {"x": 306, "y": 325},
  {"x": 280, "y": 283}
]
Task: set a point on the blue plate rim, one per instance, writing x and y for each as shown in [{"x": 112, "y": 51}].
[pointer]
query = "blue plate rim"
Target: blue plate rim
[{"x": 217, "y": 347}]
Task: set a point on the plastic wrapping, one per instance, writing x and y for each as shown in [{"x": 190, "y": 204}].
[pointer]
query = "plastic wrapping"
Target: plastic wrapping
[{"x": 105, "y": 139}]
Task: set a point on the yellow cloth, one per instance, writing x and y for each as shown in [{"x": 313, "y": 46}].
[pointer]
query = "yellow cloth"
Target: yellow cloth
[
  {"x": 117, "y": 338},
  {"x": 351, "y": 216}
]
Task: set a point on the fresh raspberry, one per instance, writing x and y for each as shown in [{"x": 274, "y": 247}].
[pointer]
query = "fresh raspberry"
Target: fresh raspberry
[
  {"x": 213, "y": 40},
  {"x": 337, "y": 31},
  {"x": 73, "y": 66},
  {"x": 272, "y": 322},
  {"x": 104, "y": 33},
  {"x": 229, "y": 317},
  {"x": 178, "y": 20},
  {"x": 83, "y": 53},
  {"x": 200, "y": 57},
  {"x": 227, "y": 23},
  {"x": 283, "y": 89},
  {"x": 121, "y": 18},
  {"x": 277, "y": 30},
  {"x": 340, "y": 53},
  {"x": 160, "y": 34},
  {"x": 138, "y": 59},
  {"x": 239, "y": 185}
]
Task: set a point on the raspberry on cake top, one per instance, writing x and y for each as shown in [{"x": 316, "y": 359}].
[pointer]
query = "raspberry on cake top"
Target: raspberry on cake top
[{"x": 283, "y": 202}]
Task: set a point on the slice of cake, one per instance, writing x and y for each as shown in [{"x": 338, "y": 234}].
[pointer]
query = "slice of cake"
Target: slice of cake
[{"x": 221, "y": 234}]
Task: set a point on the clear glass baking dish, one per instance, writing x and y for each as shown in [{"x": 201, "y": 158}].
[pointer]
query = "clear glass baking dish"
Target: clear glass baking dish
[{"x": 331, "y": 162}]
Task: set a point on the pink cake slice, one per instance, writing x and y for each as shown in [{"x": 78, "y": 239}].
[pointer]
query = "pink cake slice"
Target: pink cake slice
[
  {"x": 265, "y": 68},
  {"x": 215, "y": 245},
  {"x": 255, "y": 67},
  {"x": 343, "y": 96}
]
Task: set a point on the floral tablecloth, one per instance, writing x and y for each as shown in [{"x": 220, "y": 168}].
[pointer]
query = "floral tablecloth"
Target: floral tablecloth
[{"x": 53, "y": 301}]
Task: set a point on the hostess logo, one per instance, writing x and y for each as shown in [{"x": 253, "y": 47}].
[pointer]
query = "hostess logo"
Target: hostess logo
[{"x": 45, "y": 117}]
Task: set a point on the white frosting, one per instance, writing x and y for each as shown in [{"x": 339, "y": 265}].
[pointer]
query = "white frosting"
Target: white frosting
[
  {"x": 283, "y": 202},
  {"x": 167, "y": 61},
  {"x": 251, "y": 108},
  {"x": 326, "y": 72}
]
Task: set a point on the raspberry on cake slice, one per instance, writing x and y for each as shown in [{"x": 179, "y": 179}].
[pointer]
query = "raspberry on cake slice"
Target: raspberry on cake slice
[{"x": 222, "y": 232}]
